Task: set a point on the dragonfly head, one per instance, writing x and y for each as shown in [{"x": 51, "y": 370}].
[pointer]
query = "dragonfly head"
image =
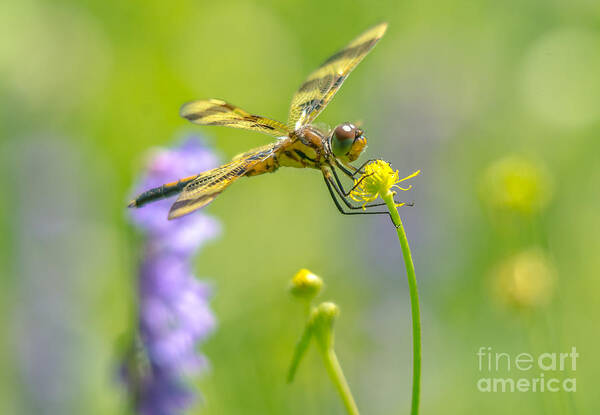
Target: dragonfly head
[{"x": 348, "y": 142}]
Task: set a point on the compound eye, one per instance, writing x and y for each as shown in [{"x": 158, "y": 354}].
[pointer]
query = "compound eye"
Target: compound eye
[
  {"x": 345, "y": 131},
  {"x": 342, "y": 139}
]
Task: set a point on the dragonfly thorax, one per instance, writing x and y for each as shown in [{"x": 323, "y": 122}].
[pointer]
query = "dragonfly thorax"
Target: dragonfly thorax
[{"x": 305, "y": 148}]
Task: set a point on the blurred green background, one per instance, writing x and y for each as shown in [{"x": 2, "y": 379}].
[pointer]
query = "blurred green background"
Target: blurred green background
[{"x": 498, "y": 103}]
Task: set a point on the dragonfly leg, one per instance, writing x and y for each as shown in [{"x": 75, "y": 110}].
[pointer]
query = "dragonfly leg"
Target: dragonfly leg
[
  {"x": 347, "y": 193},
  {"x": 356, "y": 170},
  {"x": 331, "y": 186},
  {"x": 333, "y": 189},
  {"x": 359, "y": 170},
  {"x": 344, "y": 169}
]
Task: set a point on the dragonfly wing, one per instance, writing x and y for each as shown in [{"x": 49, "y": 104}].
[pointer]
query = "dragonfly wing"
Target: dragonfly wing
[
  {"x": 321, "y": 85},
  {"x": 208, "y": 185},
  {"x": 217, "y": 112}
]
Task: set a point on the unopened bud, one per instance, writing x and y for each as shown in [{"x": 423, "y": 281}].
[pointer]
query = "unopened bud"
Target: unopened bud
[
  {"x": 306, "y": 285},
  {"x": 322, "y": 319}
]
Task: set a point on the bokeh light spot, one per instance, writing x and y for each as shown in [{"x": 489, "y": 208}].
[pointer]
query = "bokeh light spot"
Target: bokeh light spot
[{"x": 559, "y": 79}]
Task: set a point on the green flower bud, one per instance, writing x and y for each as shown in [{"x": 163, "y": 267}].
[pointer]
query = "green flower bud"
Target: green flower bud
[{"x": 321, "y": 319}]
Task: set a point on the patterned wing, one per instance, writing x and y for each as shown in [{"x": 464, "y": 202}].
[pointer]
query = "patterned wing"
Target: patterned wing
[
  {"x": 217, "y": 112},
  {"x": 208, "y": 185},
  {"x": 320, "y": 87}
]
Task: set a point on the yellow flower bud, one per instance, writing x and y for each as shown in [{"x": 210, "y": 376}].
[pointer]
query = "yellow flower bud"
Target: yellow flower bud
[{"x": 306, "y": 285}]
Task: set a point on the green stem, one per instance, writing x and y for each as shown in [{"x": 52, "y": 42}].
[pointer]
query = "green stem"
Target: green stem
[
  {"x": 337, "y": 377},
  {"x": 414, "y": 300}
]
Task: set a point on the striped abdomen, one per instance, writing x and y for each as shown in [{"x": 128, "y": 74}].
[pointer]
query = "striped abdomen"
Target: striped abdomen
[{"x": 161, "y": 192}]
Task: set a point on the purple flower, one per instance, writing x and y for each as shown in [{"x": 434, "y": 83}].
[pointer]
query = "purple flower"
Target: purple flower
[
  {"x": 174, "y": 315},
  {"x": 168, "y": 165}
]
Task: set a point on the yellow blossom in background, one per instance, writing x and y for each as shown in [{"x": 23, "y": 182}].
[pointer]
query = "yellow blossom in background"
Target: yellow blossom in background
[
  {"x": 378, "y": 180},
  {"x": 518, "y": 184},
  {"x": 524, "y": 281}
]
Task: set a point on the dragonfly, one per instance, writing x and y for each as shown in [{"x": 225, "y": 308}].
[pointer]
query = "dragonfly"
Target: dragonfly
[{"x": 299, "y": 143}]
